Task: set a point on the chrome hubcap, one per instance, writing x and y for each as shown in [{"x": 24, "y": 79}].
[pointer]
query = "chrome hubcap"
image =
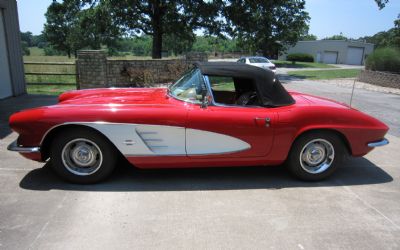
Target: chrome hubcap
[
  {"x": 82, "y": 157},
  {"x": 317, "y": 156}
]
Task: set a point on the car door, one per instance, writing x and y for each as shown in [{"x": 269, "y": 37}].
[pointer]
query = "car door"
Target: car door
[{"x": 222, "y": 131}]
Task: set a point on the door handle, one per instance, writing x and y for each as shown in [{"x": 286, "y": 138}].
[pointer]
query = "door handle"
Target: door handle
[{"x": 266, "y": 121}]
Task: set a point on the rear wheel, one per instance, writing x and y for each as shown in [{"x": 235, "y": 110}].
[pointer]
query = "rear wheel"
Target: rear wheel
[
  {"x": 82, "y": 156},
  {"x": 315, "y": 156}
]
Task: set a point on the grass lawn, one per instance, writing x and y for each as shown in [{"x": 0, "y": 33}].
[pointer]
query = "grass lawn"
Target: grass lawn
[
  {"x": 49, "y": 89},
  {"x": 52, "y": 79},
  {"x": 325, "y": 74},
  {"x": 288, "y": 64},
  {"x": 37, "y": 55},
  {"x": 222, "y": 83}
]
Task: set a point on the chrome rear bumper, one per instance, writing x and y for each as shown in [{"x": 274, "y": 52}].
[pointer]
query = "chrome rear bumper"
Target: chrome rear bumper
[
  {"x": 14, "y": 147},
  {"x": 380, "y": 143}
]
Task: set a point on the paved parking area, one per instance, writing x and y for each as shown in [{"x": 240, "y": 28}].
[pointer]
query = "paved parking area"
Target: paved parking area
[
  {"x": 230, "y": 208},
  {"x": 384, "y": 106}
]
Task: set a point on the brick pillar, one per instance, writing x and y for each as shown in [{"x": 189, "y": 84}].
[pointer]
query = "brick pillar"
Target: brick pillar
[{"x": 92, "y": 69}]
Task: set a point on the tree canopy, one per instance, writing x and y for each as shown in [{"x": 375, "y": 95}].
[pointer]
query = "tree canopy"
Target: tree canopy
[
  {"x": 70, "y": 26},
  {"x": 337, "y": 37},
  {"x": 308, "y": 37},
  {"x": 257, "y": 25},
  {"x": 266, "y": 25},
  {"x": 174, "y": 21},
  {"x": 390, "y": 38}
]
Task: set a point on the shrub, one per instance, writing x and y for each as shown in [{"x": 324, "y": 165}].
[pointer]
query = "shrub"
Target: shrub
[
  {"x": 300, "y": 57},
  {"x": 50, "y": 51},
  {"x": 384, "y": 59},
  {"x": 25, "y": 49}
]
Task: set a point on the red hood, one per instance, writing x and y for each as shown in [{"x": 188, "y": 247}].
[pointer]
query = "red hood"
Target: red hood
[{"x": 115, "y": 96}]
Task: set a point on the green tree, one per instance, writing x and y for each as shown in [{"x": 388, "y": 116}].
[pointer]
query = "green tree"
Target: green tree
[
  {"x": 180, "y": 43},
  {"x": 39, "y": 41},
  {"x": 381, "y": 3},
  {"x": 60, "y": 24},
  {"x": 391, "y": 37},
  {"x": 337, "y": 37},
  {"x": 266, "y": 25},
  {"x": 25, "y": 49},
  {"x": 308, "y": 37},
  {"x": 27, "y": 37},
  {"x": 163, "y": 18},
  {"x": 72, "y": 25}
]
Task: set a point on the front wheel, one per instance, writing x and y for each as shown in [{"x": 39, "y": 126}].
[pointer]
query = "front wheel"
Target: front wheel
[
  {"x": 82, "y": 156},
  {"x": 315, "y": 156}
]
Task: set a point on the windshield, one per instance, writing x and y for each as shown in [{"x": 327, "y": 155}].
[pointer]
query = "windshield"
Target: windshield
[
  {"x": 189, "y": 87},
  {"x": 258, "y": 60}
]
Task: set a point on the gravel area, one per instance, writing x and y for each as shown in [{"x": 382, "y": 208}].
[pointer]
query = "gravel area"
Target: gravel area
[{"x": 348, "y": 82}]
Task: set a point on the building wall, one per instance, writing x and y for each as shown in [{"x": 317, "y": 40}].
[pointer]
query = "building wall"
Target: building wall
[
  {"x": 5, "y": 77},
  {"x": 13, "y": 45},
  {"x": 317, "y": 49}
]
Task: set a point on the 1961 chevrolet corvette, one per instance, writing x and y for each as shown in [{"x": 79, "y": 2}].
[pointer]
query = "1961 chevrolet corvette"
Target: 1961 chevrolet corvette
[{"x": 216, "y": 114}]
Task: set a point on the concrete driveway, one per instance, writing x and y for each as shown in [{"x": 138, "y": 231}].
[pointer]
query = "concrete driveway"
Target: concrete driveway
[{"x": 230, "y": 208}]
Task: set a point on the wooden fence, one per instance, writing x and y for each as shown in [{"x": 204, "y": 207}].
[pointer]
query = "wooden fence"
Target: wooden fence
[{"x": 51, "y": 73}]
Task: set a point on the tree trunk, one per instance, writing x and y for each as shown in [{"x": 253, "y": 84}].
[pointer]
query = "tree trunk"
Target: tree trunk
[
  {"x": 157, "y": 31},
  {"x": 157, "y": 44}
]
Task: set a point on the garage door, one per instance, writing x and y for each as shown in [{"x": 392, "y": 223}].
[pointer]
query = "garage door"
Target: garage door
[
  {"x": 5, "y": 80},
  {"x": 330, "y": 57},
  {"x": 355, "y": 55}
]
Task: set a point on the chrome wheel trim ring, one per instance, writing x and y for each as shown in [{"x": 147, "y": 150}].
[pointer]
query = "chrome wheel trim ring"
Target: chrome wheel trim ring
[
  {"x": 82, "y": 157},
  {"x": 317, "y": 156}
]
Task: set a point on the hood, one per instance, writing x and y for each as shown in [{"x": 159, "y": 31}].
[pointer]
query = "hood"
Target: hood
[{"x": 115, "y": 96}]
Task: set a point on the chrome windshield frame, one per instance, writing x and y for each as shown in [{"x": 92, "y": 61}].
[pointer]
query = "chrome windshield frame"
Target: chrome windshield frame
[{"x": 169, "y": 93}]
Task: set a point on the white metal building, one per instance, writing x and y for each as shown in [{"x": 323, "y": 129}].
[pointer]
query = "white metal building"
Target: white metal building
[
  {"x": 333, "y": 51},
  {"x": 12, "y": 80}
]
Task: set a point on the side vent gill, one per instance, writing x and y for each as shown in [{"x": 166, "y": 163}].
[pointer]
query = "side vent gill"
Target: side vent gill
[{"x": 153, "y": 140}]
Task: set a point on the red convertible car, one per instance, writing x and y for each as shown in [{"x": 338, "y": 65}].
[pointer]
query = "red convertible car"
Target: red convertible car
[{"x": 216, "y": 114}]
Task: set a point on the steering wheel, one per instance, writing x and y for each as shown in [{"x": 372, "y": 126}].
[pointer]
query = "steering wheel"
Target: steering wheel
[{"x": 247, "y": 98}]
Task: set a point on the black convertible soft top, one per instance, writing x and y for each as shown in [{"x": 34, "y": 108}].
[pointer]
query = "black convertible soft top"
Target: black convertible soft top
[{"x": 269, "y": 89}]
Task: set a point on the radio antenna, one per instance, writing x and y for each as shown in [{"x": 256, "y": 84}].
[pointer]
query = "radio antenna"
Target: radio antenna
[{"x": 352, "y": 91}]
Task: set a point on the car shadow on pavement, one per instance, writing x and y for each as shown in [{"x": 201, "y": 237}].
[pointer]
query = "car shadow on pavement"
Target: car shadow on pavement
[{"x": 357, "y": 171}]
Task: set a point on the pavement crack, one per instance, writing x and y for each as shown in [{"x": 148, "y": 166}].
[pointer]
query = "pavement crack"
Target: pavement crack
[
  {"x": 52, "y": 215},
  {"x": 369, "y": 205}
]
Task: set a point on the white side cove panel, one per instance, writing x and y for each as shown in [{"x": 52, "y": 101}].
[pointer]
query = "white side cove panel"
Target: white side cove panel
[
  {"x": 200, "y": 142},
  {"x": 146, "y": 140},
  {"x": 138, "y": 139}
]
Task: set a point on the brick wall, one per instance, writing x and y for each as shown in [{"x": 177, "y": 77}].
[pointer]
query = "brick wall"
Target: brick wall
[
  {"x": 380, "y": 78},
  {"x": 96, "y": 71}
]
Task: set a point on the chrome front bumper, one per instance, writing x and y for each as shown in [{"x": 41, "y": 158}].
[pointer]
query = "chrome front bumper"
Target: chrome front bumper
[
  {"x": 14, "y": 147},
  {"x": 380, "y": 143}
]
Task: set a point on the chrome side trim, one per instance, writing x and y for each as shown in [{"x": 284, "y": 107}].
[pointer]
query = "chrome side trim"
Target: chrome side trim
[
  {"x": 380, "y": 143},
  {"x": 14, "y": 147}
]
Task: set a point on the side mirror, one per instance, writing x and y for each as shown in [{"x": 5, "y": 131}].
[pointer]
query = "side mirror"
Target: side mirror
[{"x": 204, "y": 98}]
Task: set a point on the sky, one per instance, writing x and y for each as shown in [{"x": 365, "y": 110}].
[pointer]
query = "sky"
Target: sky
[{"x": 354, "y": 18}]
